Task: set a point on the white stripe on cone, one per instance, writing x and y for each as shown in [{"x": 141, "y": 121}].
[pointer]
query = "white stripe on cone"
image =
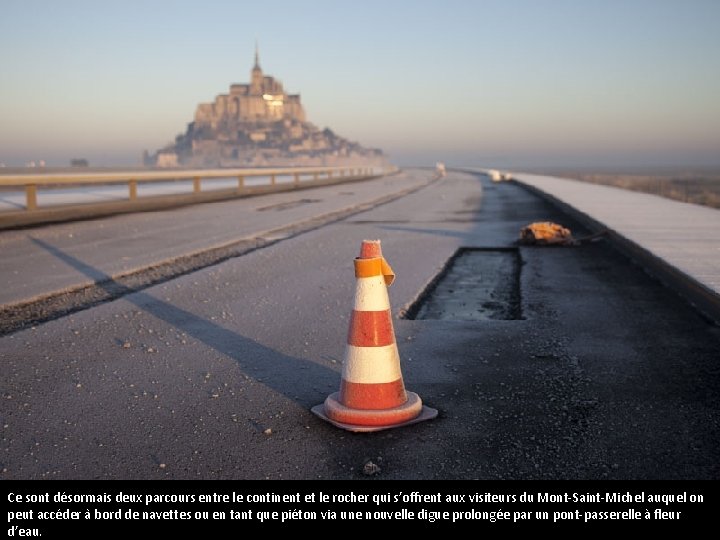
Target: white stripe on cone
[
  {"x": 371, "y": 365},
  {"x": 371, "y": 294}
]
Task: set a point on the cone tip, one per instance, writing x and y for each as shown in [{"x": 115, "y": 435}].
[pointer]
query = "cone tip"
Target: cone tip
[{"x": 370, "y": 249}]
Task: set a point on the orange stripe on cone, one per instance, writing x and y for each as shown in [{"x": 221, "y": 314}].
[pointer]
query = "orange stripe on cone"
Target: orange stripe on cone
[
  {"x": 372, "y": 394},
  {"x": 370, "y": 329},
  {"x": 370, "y": 249}
]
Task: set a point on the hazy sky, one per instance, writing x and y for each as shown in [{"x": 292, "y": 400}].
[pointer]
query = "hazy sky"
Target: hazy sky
[{"x": 472, "y": 82}]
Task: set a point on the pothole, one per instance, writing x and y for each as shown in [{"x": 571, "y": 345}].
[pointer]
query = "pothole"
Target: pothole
[{"x": 475, "y": 284}]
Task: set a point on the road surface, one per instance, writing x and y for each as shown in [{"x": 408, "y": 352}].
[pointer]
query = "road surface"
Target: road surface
[
  {"x": 212, "y": 374},
  {"x": 131, "y": 243}
]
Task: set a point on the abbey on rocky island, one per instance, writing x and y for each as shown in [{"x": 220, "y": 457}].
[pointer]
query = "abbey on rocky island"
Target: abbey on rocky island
[{"x": 258, "y": 124}]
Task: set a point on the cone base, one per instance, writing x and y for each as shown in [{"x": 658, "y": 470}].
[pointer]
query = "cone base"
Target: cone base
[{"x": 377, "y": 419}]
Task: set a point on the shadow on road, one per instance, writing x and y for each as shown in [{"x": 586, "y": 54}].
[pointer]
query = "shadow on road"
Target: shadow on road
[{"x": 285, "y": 374}]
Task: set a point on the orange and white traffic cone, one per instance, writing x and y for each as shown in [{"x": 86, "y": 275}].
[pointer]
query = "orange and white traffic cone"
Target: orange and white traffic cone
[{"x": 372, "y": 394}]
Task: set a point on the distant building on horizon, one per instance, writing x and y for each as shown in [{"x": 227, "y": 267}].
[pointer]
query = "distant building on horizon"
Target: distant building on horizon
[{"x": 258, "y": 124}]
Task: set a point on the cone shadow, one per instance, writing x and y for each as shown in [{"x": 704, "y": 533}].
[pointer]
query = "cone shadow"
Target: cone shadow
[{"x": 282, "y": 373}]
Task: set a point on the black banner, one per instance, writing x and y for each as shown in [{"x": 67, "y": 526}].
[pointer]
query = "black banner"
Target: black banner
[{"x": 59, "y": 508}]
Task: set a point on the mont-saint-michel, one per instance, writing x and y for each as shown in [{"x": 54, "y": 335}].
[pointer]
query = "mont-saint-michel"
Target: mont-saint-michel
[{"x": 258, "y": 124}]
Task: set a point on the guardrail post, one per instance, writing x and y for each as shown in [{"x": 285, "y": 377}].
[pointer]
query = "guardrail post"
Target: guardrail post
[
  {"x": 132, "y": 189},
  {"x": 241, "y": 182},
  {"x": 296, "y": 178},
  {"x": 196, "y": 185},
  {"x": 31, "y": 197},
  {"x": 272, "y": 180}
]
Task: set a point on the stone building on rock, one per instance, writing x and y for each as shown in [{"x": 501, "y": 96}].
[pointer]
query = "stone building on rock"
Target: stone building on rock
[{"x": 258, "y": 124}]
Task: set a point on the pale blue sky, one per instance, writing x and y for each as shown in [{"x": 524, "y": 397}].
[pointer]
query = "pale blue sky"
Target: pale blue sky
[{"x": 472, "y": 82}]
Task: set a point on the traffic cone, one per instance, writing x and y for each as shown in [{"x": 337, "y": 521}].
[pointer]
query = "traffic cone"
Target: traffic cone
[{"x": 372, "y": 395}]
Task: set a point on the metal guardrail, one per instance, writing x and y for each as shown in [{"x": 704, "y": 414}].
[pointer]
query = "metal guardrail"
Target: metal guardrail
[{"x": 31, "y": 182}]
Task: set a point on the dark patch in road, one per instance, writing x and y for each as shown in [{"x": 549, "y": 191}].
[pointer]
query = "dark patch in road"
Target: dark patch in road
[{"x": 474, "y": 285}]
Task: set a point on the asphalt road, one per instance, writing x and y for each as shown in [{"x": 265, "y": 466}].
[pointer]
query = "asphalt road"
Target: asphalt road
[
  {"x": 213, "y": 374},
  {"x": 130, "y": 243}
]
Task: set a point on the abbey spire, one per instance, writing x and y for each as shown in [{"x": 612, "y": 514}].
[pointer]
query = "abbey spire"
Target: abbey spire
[{"x": 256, "y": 76}]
